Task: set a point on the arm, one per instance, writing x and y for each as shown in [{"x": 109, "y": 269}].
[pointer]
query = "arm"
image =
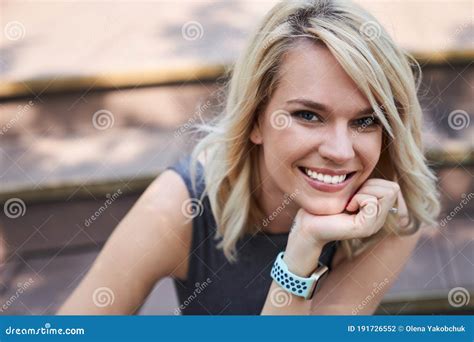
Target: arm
[
  {"x": 352, "y": 287},
  {"x": 301, "y": 257},
  {"x": 358, "y": 286},
  {"x": 354, "y": 280},
  {"x": 148, "y": 244}
]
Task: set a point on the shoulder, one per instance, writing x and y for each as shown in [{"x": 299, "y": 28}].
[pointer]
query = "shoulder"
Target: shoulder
[
  {"x": 167, "y": 197},
  {"x": 171, "y": 193},
  {"x": 151, "y": 242}
]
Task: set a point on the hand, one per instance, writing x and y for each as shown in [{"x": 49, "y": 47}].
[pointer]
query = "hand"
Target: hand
[{"x": 365, "y": 214}]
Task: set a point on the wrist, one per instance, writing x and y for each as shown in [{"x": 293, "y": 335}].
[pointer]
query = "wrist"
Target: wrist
[{"x": 302, "y": 258}]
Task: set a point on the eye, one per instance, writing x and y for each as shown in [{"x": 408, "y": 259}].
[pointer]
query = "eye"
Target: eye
[
  {"x": 306, "y": 115},
  {"x": 368, "y": 121}
]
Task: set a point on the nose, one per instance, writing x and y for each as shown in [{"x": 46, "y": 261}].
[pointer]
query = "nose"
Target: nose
[{"x": 337, "y": 145}]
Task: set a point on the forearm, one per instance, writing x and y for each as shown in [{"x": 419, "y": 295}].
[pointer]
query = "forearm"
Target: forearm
[
  {"x": 357, "y": 286},
  {"x": 281, "y": 302}
]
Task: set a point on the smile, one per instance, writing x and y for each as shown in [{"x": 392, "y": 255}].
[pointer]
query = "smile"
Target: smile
[{"x": 333, "y": 182}]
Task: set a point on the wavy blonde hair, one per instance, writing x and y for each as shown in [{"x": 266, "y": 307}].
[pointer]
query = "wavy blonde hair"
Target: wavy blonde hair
[{"x": 386, "y": 75}]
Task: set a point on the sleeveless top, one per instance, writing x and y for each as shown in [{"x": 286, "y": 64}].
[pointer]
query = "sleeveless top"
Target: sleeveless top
[{"x": 213, "y": 285}]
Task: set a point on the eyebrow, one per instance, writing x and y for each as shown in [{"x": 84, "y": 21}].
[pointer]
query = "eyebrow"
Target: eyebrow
[{"x": 319, "y": 106}]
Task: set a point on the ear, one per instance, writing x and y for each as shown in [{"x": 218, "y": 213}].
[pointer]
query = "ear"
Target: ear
[{"x": 256, "y": 134}]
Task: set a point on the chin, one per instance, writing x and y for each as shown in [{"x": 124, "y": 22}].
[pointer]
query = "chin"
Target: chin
[{"x": 325, "y": 206}]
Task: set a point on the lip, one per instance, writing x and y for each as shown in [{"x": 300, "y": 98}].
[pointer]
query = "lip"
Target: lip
[{"x": 315, "y": 184}]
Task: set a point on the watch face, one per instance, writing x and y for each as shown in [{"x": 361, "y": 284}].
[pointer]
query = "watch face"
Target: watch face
[
  {"x": 313, "y": 289},
  {"x": 317, "y": 283}
]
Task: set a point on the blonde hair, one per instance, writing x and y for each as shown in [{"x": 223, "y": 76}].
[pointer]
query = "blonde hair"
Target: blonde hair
[{"x": 382, "y": 71}]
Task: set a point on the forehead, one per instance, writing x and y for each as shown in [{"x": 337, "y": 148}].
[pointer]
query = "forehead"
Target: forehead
[{"x": 310, "y": 71}]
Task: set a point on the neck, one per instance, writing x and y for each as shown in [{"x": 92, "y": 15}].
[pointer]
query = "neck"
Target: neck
[{"x": 279, "y": 208}]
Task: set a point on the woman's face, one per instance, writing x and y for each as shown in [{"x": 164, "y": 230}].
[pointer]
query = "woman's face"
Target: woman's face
[{"x": 319, "y": 136}]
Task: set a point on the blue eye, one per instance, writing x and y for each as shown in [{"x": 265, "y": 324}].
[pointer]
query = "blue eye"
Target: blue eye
[
  {"x": 307, "y": 116},
  {"x": 367, "y": 121}
]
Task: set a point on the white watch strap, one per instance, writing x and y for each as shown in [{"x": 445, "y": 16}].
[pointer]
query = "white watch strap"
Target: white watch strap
[{"x": 299, "y": 286}]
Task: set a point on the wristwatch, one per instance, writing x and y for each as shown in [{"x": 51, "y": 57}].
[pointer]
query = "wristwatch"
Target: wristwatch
[{"x": 299, "y": 286}]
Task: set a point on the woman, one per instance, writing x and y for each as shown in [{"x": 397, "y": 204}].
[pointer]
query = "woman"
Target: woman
[{"x": 317, "y": 154}]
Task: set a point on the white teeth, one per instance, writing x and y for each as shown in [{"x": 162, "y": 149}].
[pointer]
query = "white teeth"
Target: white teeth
[{"x": 325, "y": 178}]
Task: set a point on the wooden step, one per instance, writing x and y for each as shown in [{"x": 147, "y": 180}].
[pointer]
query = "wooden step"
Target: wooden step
[
  {"x": 51, "y": 144},
  {"x": 438, "y": 265}
]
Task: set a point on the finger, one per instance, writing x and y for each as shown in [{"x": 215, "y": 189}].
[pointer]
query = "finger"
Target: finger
[
  {"x": 357, "y": 201},
  {"x": 381, "y": 182},
  {"x": 402, "y": 210},
  {"x": 376, "y": 191},
  {"x": 387, "y": 195},
  {"x": 330, "y": 227},
  {"x": 365, "y": 220},
  {"x": 391, "y": 187},
  {"x": 401, "y": 204}
]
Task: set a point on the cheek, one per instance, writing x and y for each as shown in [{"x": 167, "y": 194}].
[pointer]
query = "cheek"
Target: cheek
[
  {"x": 281, "y": 150},
  {"x": 368, "y": 149},
  {"x": 277, "y": 154}
]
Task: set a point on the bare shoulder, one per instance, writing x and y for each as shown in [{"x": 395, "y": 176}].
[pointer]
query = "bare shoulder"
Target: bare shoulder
[
  {"x": 165, "y": 198},
  {"x": 151, "y": 242}
]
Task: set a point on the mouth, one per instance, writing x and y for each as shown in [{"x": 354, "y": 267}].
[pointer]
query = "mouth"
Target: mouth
[{"x": 330, "y": 181}]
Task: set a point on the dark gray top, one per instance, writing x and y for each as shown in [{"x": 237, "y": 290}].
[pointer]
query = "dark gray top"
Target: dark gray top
[{"x": 214, "y": 286}]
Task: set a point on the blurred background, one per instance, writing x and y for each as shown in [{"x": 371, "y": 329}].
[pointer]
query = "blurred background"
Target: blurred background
[{"x": 96, "y": 99}]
